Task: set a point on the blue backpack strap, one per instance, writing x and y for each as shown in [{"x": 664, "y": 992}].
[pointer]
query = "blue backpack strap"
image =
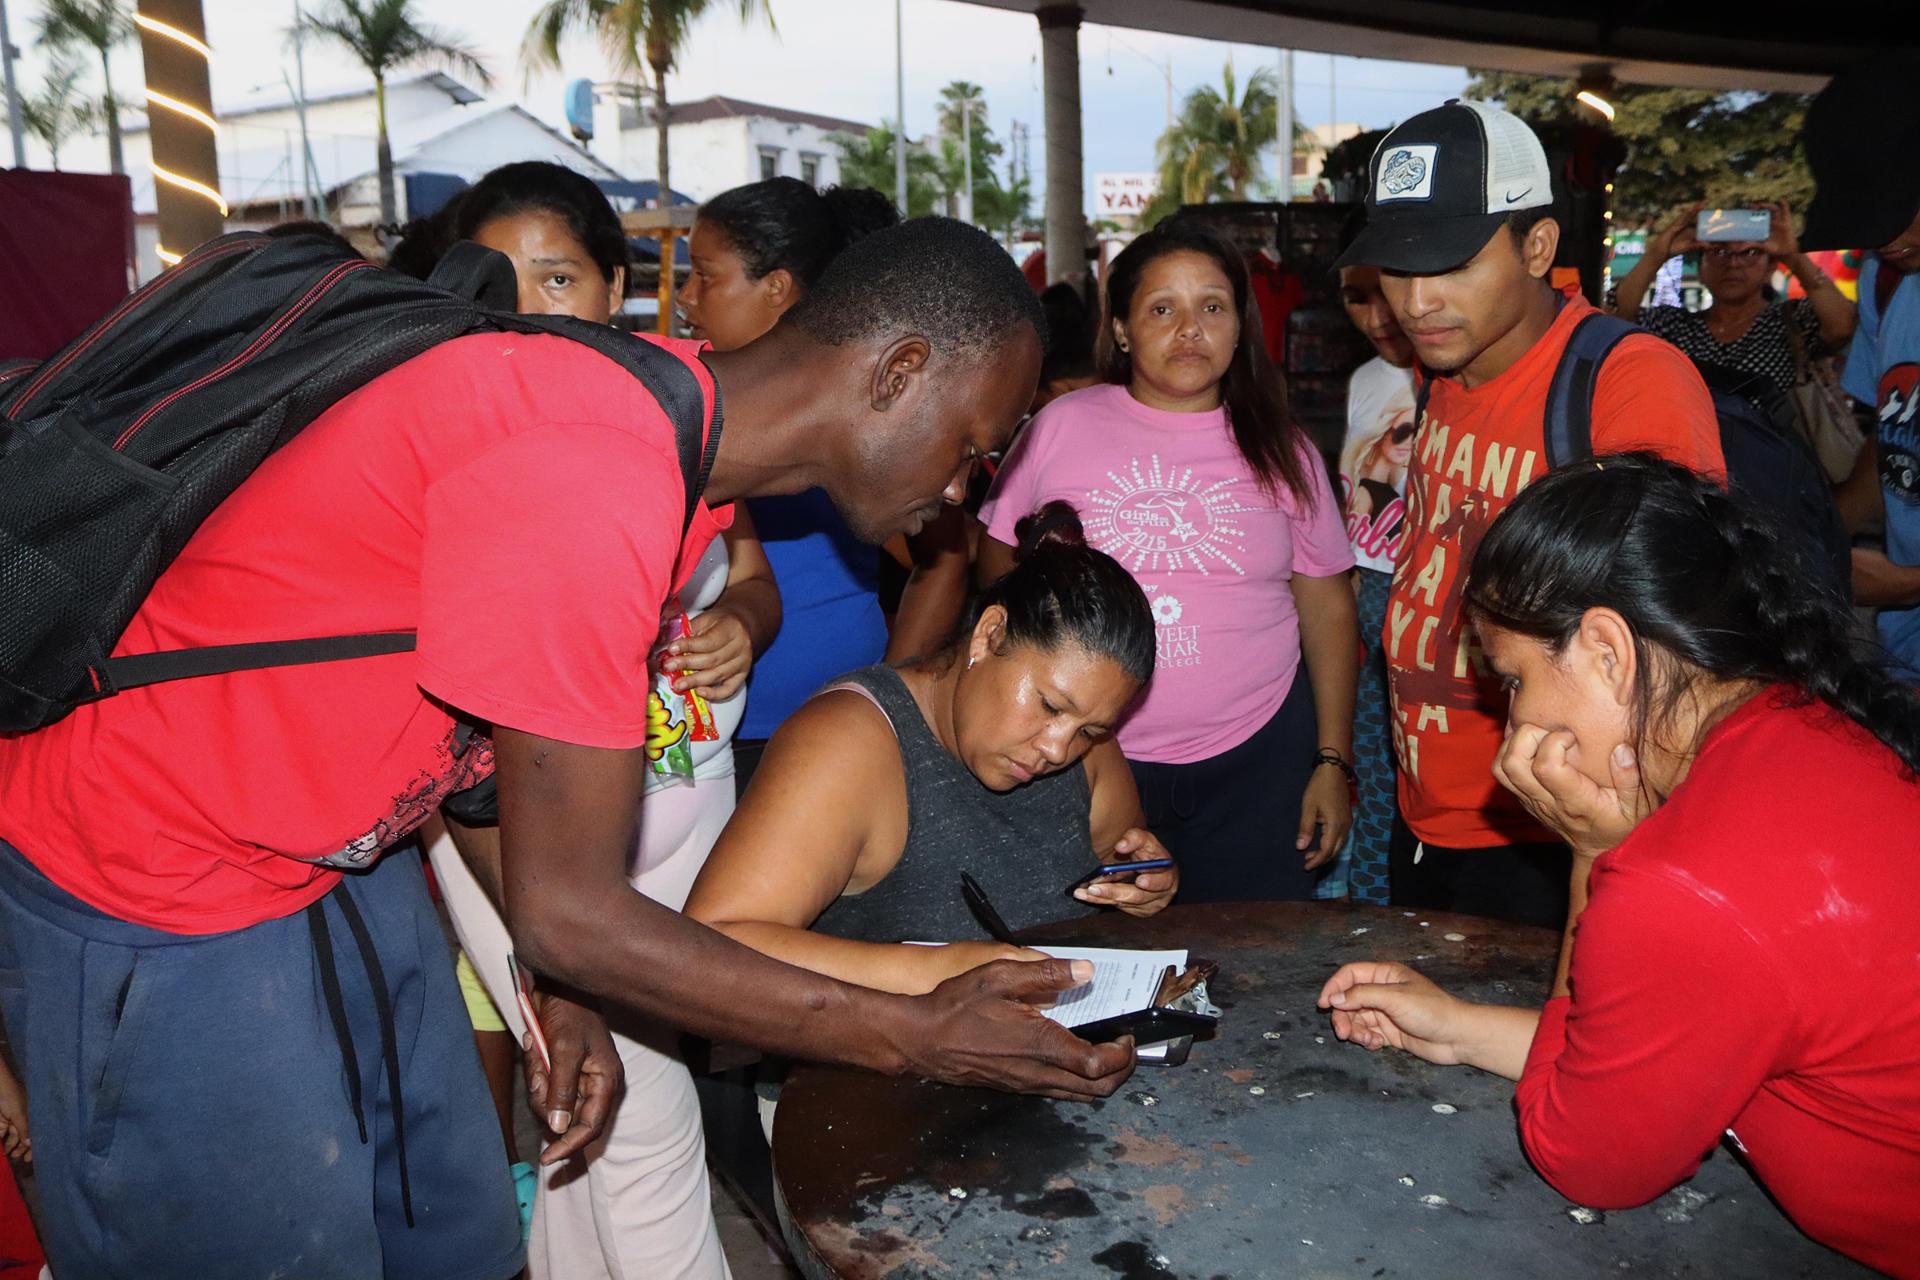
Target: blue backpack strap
[{"x": 1569, "y": 417}]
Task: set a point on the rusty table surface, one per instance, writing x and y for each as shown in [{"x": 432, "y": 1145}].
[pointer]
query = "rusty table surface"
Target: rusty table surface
[{"x": 1275, "y": 1151}]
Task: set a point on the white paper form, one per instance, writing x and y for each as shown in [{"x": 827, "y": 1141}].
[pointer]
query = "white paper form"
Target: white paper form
[{"x": 1123, "y": 982}]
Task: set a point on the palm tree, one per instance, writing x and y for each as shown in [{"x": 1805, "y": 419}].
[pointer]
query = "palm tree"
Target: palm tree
[
  {"x": 1213, "y": 150},
  {"x": 637, "y": 35},
  {"x": 384, "y": 35},
  {"x": 963, "y": 103},
  {"x": 66, "y": 26},
  {"x": 952, "y": 96},
  {"x": 59, "y": 110},
  {"x": 867, "y": 161}
]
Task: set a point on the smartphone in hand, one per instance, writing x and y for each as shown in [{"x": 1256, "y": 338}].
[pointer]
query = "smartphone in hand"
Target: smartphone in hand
[
  {"x": 1733, "y": 225},
  {"x": 1116, "y": 870},
  {"x": 1146, "y": 1026}
]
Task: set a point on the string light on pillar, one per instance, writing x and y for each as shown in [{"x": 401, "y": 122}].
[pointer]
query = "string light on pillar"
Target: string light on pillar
[
  {"x": 157, "y": 99},
  {"x": 182, "y": 128},
  {"x": 1588, "y": 98},
  {"x": 175, "y": 34},
  {"x": 1596, "y": 156}
]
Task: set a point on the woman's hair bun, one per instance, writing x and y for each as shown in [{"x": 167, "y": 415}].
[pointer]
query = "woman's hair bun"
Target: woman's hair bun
[
  {"x": 858, "y": 211},
  {"x": 1057, "y": 522}
]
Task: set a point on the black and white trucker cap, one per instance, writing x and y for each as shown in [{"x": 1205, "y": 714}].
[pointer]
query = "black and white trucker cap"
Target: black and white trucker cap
[{"x": 1443, "y": 182}]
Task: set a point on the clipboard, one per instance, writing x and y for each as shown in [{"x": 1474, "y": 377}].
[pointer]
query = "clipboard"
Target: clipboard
[{"x": 1181, "y": 1010}]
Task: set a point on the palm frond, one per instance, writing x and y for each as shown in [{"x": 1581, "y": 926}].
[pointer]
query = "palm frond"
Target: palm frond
[
  {"x": 552, "y": 23},
  {"x": 341, "y": 27},
  {"x": 436, "y": 46},
  {"x": 67, "y": 25}
]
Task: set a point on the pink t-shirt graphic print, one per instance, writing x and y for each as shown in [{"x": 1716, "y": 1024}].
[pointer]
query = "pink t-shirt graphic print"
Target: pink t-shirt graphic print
[{"x": 1169, "y": 496}]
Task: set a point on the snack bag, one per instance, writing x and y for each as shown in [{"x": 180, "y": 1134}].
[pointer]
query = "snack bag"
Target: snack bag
[
  {"x": 700, "y": 725},
  {"x": 669, "y": 731},
  {"x": 667, "y": 751}
]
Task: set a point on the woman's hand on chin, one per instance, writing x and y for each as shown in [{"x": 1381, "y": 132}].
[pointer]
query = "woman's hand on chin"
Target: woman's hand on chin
[
  {"x": 1533, "y": 763},
  {"x": 1149, "y": 891}
]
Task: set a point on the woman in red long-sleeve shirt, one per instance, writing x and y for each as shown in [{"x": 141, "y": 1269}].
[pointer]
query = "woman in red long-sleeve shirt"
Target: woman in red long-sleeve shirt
[{"x": 1737, "y": 781}]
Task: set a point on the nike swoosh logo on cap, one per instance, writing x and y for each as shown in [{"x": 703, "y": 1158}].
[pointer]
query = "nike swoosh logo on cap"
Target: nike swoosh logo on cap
[{"x": 1522, "y": 196}]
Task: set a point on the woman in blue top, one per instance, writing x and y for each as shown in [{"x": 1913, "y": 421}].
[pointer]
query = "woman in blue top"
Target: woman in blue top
[{"x": 755, "y": 251}]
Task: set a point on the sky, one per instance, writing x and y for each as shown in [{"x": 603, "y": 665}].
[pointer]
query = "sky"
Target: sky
[{"x": 836, "y": 57}]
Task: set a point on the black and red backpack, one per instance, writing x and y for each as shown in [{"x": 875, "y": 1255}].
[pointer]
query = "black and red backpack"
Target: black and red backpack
[{"x": 114, "y": 451}]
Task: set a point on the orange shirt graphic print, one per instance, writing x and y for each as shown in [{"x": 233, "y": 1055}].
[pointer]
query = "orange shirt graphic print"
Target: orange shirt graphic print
[{"x": 1475, "y": 450}]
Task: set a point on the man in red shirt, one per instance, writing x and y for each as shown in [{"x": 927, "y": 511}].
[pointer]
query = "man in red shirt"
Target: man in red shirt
[
  {"x": 1460, "y": 222},
  {"x": 243, "y": 1045}
]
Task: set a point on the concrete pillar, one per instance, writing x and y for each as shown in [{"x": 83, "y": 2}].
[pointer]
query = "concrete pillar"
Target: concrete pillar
[
  {"x": 186, "y": 185},
  {"x": 1060, "y": 70}
]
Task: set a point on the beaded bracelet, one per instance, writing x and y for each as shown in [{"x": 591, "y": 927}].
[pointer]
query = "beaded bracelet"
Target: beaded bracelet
[{"x": 1328, "y": 755}]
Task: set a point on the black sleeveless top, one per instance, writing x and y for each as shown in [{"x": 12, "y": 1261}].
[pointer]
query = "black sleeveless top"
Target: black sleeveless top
[{"x": 1024, "y": 846}]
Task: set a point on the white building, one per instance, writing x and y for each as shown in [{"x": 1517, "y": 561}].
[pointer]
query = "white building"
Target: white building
[
  {"x": 435, "y": 126},
  {"x": 717, "y": 143},
  {"x": 1310, "y": 156}
]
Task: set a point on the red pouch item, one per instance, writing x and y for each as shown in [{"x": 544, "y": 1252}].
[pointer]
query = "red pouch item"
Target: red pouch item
[{"x": 700, "y": 726}]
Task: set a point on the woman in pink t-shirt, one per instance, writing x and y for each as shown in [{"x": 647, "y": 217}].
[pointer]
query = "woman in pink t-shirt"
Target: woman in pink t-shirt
[{"x": 1190, "y": 472}]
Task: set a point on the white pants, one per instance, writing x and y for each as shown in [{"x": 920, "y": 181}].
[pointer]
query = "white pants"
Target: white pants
[{"x": 635, "y": 1205}]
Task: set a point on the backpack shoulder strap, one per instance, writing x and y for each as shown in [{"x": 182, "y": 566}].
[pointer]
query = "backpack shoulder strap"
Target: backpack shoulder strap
[
  {"x": 1569, "y": 415},
  {"x": 136, "y": 669}
]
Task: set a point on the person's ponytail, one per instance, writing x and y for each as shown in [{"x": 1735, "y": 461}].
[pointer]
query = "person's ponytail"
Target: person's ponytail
[
  {"x": 1060, "y": 590},
  {"x": 1695, "y": 571},
  {"x": 782, "y": 224},
  {"x": 1813, "y": 639},
  {"x": 855, "y": 212}
]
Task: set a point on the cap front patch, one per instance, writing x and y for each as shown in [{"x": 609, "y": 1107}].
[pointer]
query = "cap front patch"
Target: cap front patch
[{"x": 1406, "y": 173}]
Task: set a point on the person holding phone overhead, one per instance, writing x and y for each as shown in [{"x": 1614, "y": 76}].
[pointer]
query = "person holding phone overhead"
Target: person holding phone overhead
[
  {"x": 996, "y": 757},
  {"x": 1741, "y": 329},
  {"x": 1199, "y": 482}
]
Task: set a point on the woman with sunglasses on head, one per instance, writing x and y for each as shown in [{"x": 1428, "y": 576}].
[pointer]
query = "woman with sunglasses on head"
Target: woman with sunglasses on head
[
  {"x": 1736, "y": 777},
  {"x": 1198, "y": 481},
  {"x": 1742, "y": 330},
  {"x": 641, "y": 1205}
]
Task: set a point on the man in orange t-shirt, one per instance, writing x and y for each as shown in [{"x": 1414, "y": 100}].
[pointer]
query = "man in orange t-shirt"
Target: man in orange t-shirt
[{"x": 1460, "y": 221}]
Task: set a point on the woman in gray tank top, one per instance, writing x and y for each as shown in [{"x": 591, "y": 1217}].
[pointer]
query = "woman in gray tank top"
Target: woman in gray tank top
[{"x": 994, "y": 757}]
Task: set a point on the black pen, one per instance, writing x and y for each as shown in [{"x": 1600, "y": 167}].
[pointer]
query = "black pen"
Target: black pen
[{"x": 976, "y": 899}]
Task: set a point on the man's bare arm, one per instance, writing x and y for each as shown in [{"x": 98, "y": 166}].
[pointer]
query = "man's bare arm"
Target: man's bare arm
[{"x": 566, "y": 827}]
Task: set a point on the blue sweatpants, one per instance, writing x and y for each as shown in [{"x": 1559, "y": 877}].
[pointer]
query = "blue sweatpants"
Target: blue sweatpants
[{"x": 222, "y": 1105}]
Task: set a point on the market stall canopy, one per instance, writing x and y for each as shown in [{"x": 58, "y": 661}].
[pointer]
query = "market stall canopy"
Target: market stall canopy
[{"x": 1706, "y": 44}]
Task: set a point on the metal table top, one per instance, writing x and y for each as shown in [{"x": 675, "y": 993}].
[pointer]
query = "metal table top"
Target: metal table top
[{"x": 1275, "y": 1151}]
